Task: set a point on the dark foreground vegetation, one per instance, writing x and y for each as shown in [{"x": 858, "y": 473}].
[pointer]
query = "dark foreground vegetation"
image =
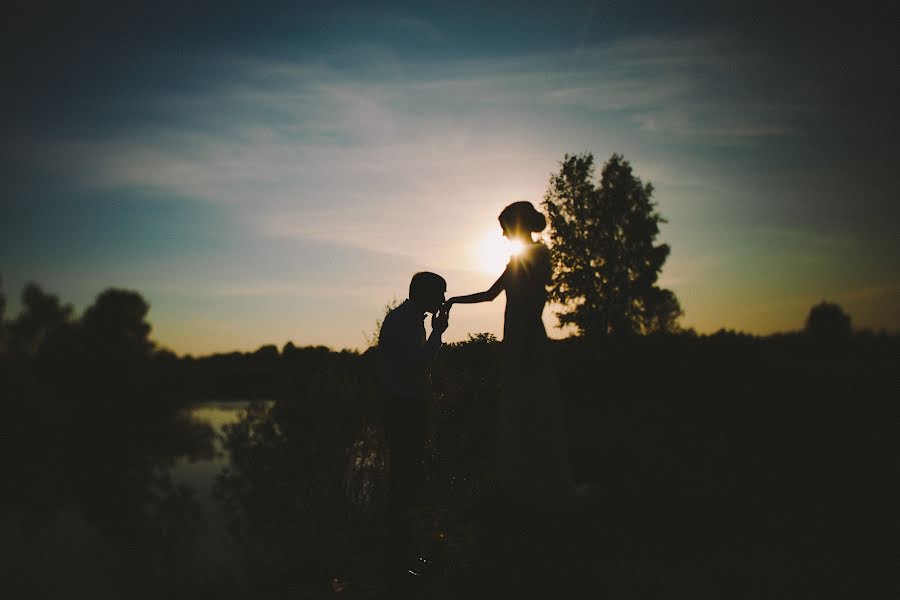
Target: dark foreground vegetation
[{"x": 708, "y": 467}]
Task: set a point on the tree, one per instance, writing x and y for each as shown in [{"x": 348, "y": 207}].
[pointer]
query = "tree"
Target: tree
[
  {"x": 268, "y": 352},
  {"x": 605, "y": 262},
  {"x": 828, "y": 320},
  {"x": 116, "y": 323},
  {"x": 42, "y": 316}
]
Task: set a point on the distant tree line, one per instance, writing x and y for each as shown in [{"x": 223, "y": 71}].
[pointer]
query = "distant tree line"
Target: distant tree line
[{"x": 112, "y": 338}]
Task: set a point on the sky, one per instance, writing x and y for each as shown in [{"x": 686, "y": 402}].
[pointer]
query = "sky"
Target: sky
[{"x": 270, "y": 172}]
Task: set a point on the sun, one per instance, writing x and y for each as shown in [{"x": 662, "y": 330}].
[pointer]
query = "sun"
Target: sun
[{"x": 492, "y": 252}]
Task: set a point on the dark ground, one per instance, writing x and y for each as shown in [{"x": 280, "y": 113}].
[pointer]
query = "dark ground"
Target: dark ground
[{"x": 708, "y": 467}]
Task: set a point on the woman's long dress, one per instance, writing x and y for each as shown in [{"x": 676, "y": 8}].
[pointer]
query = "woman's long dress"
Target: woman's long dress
[{"x": 532, "y": 453}]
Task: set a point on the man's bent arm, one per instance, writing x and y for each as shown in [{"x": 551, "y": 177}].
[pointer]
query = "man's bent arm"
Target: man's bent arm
[{"x": 430, "y": 350}]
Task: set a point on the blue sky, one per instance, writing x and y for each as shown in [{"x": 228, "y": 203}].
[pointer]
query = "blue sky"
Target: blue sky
[{"x": 264, "y": 173}]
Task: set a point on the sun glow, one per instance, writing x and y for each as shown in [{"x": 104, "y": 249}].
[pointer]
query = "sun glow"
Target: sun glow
[{"x": 493, "y": 251}]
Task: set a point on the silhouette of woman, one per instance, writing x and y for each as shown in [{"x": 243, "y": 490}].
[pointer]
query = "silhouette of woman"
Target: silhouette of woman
[{"x": 532, "y": 457}]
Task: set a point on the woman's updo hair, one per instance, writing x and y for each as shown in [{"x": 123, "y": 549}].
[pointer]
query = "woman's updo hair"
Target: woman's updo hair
[{"x": 523, "y": 216}]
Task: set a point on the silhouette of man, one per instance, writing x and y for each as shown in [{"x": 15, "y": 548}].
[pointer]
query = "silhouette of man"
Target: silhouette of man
[{"x": 404, "y": 355}]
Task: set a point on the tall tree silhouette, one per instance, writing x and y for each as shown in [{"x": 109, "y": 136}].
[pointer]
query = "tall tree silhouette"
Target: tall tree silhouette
[
  {"x": 41, "y": 316},
  {"x": 116, "y": 323},
  {"x": 606, "y": 263}
]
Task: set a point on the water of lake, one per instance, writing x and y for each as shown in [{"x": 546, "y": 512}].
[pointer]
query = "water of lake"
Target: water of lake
[
  {"x": 199, "y": 474},
  {"x": 87, "y": 543}
]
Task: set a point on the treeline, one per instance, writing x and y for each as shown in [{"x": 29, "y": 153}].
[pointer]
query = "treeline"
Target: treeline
[
  {"x": 110, "y": 343},
  {"x": 109, "y": 347}
]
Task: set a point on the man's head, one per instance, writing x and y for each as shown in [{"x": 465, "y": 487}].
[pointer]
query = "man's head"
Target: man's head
[{"x": 427, "y": 291}]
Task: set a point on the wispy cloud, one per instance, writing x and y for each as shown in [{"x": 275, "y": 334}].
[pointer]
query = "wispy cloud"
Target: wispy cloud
[{"x": 310, "y": 149}]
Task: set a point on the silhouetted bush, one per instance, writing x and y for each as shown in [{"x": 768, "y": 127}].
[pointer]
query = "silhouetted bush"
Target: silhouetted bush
[{"x": 827, "y": 320}]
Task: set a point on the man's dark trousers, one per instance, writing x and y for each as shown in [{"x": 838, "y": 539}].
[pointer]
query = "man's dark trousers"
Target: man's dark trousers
[{"x": 405, "y": 432}]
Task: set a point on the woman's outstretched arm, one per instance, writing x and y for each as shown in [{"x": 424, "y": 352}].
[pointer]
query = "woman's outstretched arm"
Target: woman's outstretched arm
[{"x": 485, "y": 296}]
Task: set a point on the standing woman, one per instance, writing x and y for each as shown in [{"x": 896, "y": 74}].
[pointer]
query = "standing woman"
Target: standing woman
[{"x": 532, "y": 455}]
